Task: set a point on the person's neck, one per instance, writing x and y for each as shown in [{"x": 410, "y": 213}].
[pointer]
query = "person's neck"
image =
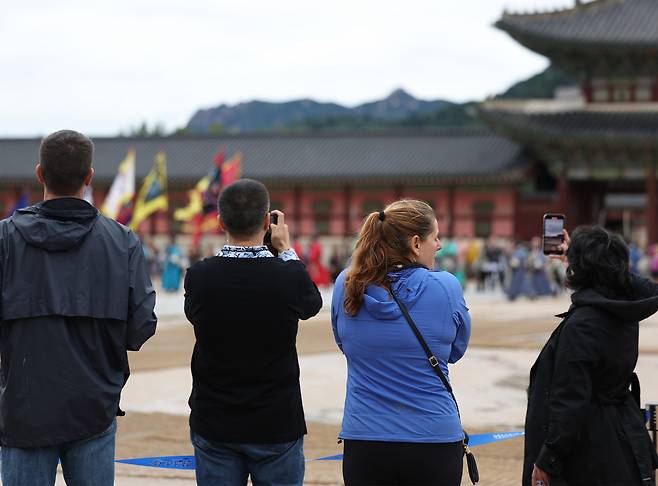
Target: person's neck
[
  {"x": 256, "y": 240},
  {"x": 47, "y": 195}
]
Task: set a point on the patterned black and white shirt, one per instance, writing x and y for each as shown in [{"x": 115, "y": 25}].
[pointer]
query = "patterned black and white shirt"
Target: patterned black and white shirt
[{"x": 260, "y": 251}]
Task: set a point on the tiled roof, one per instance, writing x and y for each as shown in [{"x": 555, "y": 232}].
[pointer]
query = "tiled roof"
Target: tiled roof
[
  {"x": 639, "y": 128},
  {"x": 601, "y": 22},
  {"x": 446, "y": 154}
]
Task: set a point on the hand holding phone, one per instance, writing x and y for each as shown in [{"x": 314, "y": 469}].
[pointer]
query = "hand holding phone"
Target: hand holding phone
[{"x": 553, "y": 236}]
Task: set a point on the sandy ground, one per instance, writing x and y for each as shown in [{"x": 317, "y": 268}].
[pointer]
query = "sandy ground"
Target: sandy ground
[{"x": 489, "y": 383}]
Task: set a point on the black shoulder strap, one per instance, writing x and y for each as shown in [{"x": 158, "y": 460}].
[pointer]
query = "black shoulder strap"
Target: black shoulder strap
[{"x": 434, "y": 362}]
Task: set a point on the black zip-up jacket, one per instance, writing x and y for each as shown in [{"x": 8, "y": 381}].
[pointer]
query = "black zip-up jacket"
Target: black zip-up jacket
[
  {"x": 583, "y": 424},
  {"x": 75, "y": 296}
]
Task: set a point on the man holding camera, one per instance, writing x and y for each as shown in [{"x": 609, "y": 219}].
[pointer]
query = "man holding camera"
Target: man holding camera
[
  {"x": 245, "y": 305},
  {"x": 75, "y": 296}
]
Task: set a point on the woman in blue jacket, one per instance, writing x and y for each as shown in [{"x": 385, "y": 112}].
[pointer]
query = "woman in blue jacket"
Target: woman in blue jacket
[{"x": 400, "y": 424}]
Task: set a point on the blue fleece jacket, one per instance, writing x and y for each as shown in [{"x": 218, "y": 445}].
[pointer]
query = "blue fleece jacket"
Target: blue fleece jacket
[{"x": 392, "y": 392}]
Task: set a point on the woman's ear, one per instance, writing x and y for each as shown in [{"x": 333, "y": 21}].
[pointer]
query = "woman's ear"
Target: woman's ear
[{"x": 415, "y": 245}]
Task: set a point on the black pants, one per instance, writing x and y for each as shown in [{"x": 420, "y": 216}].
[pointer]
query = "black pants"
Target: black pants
[{"x": 370, "y": 463}]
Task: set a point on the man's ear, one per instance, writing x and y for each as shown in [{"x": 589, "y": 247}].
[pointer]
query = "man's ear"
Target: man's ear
[
  {"x": 266, "y": 222},
  {"x": 221, "y": 223},
  {"x": 90, "y": 176},
  {"x": 38, "y": 170}
]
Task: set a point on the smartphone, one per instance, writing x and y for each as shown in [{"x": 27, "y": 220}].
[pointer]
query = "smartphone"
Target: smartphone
[{"x": 553, "y": 236}]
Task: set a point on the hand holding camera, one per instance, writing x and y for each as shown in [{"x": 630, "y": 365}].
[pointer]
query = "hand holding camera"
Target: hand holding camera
[{"x": 280, "y": 233}]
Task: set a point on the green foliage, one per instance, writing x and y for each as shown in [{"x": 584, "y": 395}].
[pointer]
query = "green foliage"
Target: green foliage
[
  {"x": 451, "y": 115},
  {"x": 542, "y": 85},
  {"x": 143, "y": 130},
  {"x": 216, "y": 129}
]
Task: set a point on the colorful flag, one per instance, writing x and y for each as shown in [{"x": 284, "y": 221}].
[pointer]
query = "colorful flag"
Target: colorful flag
[
  {"x": 153, "y": 194},
  {"x": 201, "y": 193},
  {"x": 119, "y": 199},
  {"x": 232, "y": 169}
]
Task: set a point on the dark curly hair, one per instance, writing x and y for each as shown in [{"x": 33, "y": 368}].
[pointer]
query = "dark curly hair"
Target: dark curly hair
[{"x": 598, "y": 260}]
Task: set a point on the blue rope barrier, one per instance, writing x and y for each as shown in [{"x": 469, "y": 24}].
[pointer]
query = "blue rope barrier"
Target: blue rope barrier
[{"x": 188, "y": 463}]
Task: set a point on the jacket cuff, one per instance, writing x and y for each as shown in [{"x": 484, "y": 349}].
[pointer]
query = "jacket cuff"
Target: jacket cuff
[{"x": 549, "y": 461}]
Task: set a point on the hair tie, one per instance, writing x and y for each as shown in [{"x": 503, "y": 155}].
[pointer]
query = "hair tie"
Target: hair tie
[{"x": 382, "y": 215}]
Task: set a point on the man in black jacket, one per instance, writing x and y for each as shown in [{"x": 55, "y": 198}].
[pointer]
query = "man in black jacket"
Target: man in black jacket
[
  {"x": 245, "y": 304},
  {"x": 75, "y": 296}
]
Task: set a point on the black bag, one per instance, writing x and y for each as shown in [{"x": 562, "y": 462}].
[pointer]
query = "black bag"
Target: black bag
[{"x": 434, "y": 363}]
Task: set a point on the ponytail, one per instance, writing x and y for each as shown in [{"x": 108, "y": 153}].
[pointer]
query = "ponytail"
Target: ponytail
[{"x": 383, "y": 245}]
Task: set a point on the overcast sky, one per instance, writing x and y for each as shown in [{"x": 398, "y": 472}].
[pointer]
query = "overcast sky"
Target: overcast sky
[{"x": 102, "y": 67}]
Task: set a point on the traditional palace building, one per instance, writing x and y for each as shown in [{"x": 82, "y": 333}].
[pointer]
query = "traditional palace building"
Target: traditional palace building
[
  {"x": 601, "y": 144},
  {"x": 591, "y": 152}
]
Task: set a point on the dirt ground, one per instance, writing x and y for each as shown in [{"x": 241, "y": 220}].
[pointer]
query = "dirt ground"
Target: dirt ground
[
  {"x": 143, "y": 435},
  {"x": 495, "y": 324}
]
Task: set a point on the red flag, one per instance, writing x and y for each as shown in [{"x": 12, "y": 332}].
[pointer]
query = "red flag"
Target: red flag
[
  {"x": 232, "y": 170},
  {"x": 223, "y": 173}
]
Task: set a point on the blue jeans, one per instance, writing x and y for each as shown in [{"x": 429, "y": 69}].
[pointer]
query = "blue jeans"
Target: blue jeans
[
  {"x": 87, "y": 462},
  {"x": 222, "y": 463}
]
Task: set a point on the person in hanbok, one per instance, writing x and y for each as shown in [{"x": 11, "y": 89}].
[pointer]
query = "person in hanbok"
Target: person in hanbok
[{"x": 173, "y": 267}]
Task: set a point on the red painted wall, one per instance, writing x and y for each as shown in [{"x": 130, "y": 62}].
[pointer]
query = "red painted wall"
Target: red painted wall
[{"x": 505, "y": 221}]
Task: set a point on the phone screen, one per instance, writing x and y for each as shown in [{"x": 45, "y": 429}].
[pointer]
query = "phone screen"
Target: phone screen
[{"x": 553, "y": 237}]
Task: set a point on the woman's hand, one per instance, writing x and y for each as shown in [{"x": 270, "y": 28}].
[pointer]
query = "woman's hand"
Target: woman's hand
[
  {"x": 564, "y": 247},
  {"x": 540, "y": 477}
]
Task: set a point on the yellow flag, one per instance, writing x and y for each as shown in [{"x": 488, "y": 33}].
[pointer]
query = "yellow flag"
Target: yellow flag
[
  {"x": 153, "y": 194},
  {"x": 195, "y": 205}
]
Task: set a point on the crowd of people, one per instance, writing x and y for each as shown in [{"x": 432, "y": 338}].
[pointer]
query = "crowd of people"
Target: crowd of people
[
  {"x": 76, "y": 296},
  {"x": 518, "y": 269}
]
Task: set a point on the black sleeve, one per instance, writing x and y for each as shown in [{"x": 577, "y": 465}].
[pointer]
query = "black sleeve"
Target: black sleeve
[
  {"x": 570, "y": 395},
  {"x": 2, "y": 259},
  {"x": 643, "y": 287},
  {"x": 306, "y": 300},
  {"x": 141, "y": 316},
  {"x": 190, "y": 296}
]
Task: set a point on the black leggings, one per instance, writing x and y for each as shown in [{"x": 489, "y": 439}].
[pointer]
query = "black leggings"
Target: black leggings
[{"x": 370, "y": 463}]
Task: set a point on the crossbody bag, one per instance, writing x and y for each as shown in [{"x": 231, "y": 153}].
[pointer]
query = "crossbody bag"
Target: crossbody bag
[{"x": 434, "y": 363}]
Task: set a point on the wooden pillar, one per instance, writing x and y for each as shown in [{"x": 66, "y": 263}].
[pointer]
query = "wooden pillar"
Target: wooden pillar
[
  {"x": 297, "y": 209},
  {"x": 563, "y": 191},
  {"x": 651, "y": 214},
  {"x": 347, "y": 201},
  {"x": 451, "y": 212},
  {"x": 586, "y": 88},
  {"x": 516, "y": 215}
]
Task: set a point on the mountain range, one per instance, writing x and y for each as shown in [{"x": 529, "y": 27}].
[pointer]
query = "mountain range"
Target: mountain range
[
  {"x": 262, "y": 115},
  {"x": 399, "y": 109}
]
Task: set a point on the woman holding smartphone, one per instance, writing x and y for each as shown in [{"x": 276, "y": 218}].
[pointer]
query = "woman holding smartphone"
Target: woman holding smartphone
[
  {"x": 583, "y": 423},
  {"x": 400, "y": 425}
]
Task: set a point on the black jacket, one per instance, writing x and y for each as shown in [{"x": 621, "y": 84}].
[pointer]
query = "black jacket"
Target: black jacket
[
  {"x": 245, "y": 313},
  {"x": 75, "y": 295},
  {"x": 583, "y": 425}
]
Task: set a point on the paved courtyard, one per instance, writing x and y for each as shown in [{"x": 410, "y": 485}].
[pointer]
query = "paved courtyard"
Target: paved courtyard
[{"x": 489, "y": 383}]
